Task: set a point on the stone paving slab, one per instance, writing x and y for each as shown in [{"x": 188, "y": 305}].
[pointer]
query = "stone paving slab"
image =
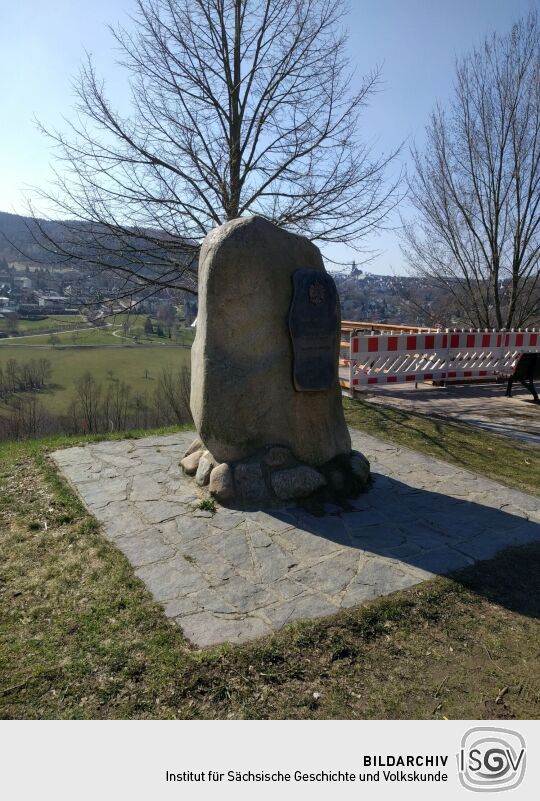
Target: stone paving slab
[{"x": 235, "y": 576}]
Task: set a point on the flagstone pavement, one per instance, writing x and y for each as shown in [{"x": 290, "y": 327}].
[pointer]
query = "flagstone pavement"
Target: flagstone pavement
[{"x": 236, "y": 575}]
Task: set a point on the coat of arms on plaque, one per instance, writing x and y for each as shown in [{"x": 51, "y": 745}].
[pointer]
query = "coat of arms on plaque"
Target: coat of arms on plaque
[{"x": 317, "y": 293}]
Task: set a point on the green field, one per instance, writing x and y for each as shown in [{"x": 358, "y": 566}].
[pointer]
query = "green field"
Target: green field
[
  {"x": 54, "y": 322},
  {"x": 131, "y": 363},
  {"x": 111, "y": 334},
  {"x": 90, "y": 336}
]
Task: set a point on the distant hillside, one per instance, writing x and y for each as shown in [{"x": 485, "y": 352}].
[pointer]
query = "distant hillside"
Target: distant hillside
[
  {"x": 363, "y": 296},
  {"x": 142, "y": 250},
  {"x": 16, "y": 236}
]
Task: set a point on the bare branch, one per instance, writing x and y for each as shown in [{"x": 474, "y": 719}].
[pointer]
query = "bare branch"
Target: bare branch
[{"x": 237, "y": 107}]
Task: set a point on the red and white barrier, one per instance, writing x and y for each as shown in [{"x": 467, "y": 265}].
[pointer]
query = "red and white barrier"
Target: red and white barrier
[{"x": 390, "y": 358}]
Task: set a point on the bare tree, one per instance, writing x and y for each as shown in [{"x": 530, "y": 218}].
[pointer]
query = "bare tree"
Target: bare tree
[
  {"x": 25, "y": 417},
  {"x": 237, "y": 107},
  {"x": 115, "y": 411},
  {"x": 168, "y": 315},
  {"x": 12, "y": 375},
  {"x": 88, "y": 396},
  {"x": 476, "y": 186},
  {"x": 171, "y": 396}
]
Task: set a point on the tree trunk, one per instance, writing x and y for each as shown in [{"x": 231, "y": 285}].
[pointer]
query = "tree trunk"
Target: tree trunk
[{"x": 236, "y": 120}]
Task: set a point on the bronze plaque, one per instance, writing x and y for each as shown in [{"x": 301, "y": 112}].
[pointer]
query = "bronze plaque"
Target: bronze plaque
[{"x": 313, "y": 323}]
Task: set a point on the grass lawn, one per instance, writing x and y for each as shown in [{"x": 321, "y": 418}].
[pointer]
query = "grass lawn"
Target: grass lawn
[
  {"x": 494, "y": 456},
  {"x": 129, "y": 364},
  {"x": 81, "y": 637}
]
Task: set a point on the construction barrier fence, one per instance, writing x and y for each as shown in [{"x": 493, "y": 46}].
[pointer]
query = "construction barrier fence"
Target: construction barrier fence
[{"x": 391, "y": 357}]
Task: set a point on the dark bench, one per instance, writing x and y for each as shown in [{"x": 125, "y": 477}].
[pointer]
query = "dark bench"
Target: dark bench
[{"x": 527, "y": 369}]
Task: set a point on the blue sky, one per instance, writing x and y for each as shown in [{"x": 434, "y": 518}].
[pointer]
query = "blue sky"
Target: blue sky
[{"x": 415, "y": 41}]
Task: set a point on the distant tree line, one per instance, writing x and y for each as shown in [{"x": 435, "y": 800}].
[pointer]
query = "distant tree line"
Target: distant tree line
[
  {"x": 99, "y": 407},
  {"x": 29, "y": 376}
]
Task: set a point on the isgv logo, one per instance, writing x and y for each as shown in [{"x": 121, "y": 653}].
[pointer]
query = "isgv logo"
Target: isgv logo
[{"x": 491, "y": 759}]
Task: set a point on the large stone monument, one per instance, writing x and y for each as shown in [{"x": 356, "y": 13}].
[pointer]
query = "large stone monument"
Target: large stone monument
[{"x": 265, "y": 395}]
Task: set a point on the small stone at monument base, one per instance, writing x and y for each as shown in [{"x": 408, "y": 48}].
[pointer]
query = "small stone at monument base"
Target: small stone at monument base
[
  {"x": 274, "y": 474},
  {"x": 277, "y": 456},
  {"x": 244, "y": 473},
  {"x": 206, "y": 465},
  {"x": 336, "y": 480},
  {"x": 196, "y": 445},
  {"x": 249, "y": 483},
  {"x": 190, "y": 463},
  {"x": 221, "y": 484},
  {"x": 297, "y": 482},
  {"x": 360, "y": 466}
]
